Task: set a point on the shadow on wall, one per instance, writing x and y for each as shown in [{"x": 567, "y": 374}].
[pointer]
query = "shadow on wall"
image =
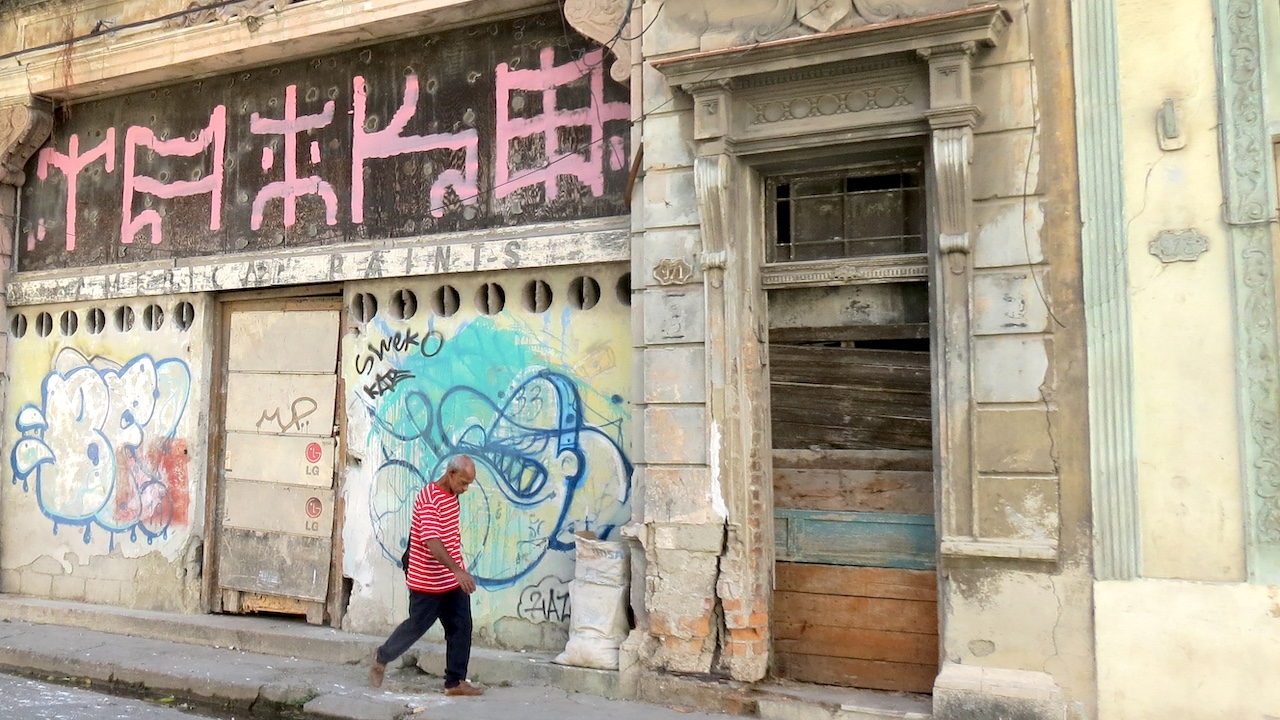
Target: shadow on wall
[{"x": 102, "y": 449}]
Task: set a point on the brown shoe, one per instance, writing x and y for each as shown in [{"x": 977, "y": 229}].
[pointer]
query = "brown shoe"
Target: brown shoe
[
  {"x": 464, "y": 688},
  {"x": 376, "y": 671}
]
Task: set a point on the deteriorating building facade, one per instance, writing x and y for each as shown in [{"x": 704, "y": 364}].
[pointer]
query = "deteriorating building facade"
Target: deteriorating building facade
[{"x": 786, "y": 295}]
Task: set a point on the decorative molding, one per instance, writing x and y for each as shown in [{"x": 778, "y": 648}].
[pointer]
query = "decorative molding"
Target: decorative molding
[
  {"x": 882, "y": 97},
  {"x": 982, "y": 25},
  {"x": 825, "y": 72},
  {"x": 818, "y": 273},
  {"x": 715, "y": 260},
  {"x": 1249, "y": 195},
  {"x": 1179, "y": 245},
  {"x": 822, "y": 15},
  {"x": 1105, "y": 252},
  {"x": 580, "y": 243},
  {"x": 672, "y": 271},
  {"x": 952, "y": 155},
  {"x": 24, "y": 126},
  {"x": 879, "y": 11},
  {"x": 1046, "y": 550},
  {"x": 604, "y": 21},
  {"x": 250, "y": 11}
]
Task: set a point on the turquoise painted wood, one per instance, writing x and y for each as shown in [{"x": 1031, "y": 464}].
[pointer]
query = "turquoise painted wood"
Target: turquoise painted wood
[{"x": 867, "y": 539}]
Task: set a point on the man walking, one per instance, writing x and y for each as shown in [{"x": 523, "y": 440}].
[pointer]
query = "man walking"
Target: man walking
[{"x": 439, "y": 585}]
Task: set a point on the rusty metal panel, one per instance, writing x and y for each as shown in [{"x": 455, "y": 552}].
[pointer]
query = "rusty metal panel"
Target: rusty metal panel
[
  {"x": 295, "y": 460},
  {"x": 301, "y": 341},
  {"x": 500, "y": 124},
  {"x": 277, "y": 508},
  {"x": 281, "y": 404},
  {"x": 274, "y": 564}
]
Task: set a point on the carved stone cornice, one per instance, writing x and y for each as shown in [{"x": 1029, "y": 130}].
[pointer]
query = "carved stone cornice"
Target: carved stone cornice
[
  {"x": 981, "y": 26},
  {"x": 24, "y": 126},
  {"x": 604, "y": 21},
  {"x": 861, "y": 271}
]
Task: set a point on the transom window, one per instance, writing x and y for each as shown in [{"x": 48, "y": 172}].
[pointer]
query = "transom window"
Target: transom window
[{"x": 858, "y": 211}]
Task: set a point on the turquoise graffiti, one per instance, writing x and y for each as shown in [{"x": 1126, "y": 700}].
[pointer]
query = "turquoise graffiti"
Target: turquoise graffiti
[
  {"x": 101, "y": 446},
  {"x": 547, "y": 445}
]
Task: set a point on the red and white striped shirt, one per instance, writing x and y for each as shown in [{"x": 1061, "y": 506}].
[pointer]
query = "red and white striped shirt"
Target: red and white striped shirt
[{"x": 435, "y": 515}]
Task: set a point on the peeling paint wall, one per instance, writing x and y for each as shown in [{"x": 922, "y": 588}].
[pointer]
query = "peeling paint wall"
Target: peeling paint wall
[
  {"x": 529, "y": 373},
  {"x": 105, "y": 446}
]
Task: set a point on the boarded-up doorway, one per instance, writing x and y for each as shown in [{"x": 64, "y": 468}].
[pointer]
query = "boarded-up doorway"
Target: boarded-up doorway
[
  {"x": 855, "y": 595},
  {"x": 275, "y": 525}
]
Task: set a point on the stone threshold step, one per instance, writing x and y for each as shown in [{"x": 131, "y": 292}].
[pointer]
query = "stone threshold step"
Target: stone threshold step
[{"x": 787, "y": 700}]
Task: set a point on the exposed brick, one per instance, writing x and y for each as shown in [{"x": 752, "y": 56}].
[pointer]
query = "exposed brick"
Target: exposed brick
[{"x": 694, "y": 626}]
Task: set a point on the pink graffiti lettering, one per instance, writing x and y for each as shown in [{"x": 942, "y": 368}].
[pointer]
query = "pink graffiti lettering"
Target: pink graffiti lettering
[
  {"x": 292, "y": 186},
  {"x": 38, "y": 235},
  {"x": 388, "y": 142},
  {"x": 587, "y": 164},
  {"x": 214, "y": 136},
  {"x": 71, "y": 166}
]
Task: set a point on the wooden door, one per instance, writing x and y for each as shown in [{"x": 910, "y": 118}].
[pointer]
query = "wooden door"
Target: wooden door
[
  {"x": 276, "y": 526},
  {"x": 856, "y": 587}
]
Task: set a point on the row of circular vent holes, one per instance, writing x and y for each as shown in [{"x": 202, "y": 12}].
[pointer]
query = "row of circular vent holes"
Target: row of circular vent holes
[
  {"x": 184, "y": 314},
  {"x": 490, "y": 298}
]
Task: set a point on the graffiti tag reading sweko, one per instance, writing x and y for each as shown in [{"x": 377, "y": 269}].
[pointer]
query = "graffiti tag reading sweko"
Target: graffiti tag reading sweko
[{"x": 102, "y": 446}]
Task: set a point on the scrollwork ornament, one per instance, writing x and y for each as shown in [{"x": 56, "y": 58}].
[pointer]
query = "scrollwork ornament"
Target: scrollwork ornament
[
  {"x": 604, "y": 21},
  {"x": 1248, "y": 192}
]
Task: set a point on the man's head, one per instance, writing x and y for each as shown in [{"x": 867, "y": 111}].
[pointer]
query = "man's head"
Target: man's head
[{"x": 458, "y": 474}]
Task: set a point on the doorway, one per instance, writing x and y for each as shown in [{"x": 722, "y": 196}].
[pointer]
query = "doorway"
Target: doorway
[
  {"x": 276, "y": 487},
  {"x": 851, "y": 414}
]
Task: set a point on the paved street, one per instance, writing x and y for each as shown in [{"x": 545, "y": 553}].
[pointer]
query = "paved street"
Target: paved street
[{"x": 27, "y": 699}]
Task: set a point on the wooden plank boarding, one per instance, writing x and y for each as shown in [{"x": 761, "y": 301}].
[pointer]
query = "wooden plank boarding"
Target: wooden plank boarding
[
  {"x": 879, "y": 459},
  {"x": 855, "y": 595},
  {"x": 854, "y": 490},
  {"x": 876, "y": 675},
  {"x": 858, "y": 581},
  {"x": 856, "y": 538},
  {"x": 865, "y": 627}
]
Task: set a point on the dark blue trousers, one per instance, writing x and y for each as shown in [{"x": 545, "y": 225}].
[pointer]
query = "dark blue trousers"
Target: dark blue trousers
[{"x": 453, "y": 610}]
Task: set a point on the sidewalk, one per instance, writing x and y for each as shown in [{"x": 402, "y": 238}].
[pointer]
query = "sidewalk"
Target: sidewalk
[
  {"x": 321, "y": 689},
  {"x": 245, "y": 661}
]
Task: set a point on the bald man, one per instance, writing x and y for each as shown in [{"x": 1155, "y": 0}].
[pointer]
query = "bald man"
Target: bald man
[{"x": 439, "y": 585}]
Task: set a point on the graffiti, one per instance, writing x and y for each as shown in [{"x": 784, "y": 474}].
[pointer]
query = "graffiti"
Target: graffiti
[
  {"x": 214, "y": 136},
  {"x": 547, "y": 601},
  {"x": 463, "y": 134},
  {"x": 102, "y": 447},
  {"x": 386, "y": 382},
  {"x": 543, "y": 469},
  {"x": 299, "y": 410}
]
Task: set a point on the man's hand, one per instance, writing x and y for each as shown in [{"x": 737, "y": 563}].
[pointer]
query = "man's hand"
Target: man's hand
[
  {"x": 465, "y": 580},
  {"x": 436, "y": 548}
]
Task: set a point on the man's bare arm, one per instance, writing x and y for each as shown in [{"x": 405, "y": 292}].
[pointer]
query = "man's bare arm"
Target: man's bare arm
[{"x": 438, "y": 551}]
